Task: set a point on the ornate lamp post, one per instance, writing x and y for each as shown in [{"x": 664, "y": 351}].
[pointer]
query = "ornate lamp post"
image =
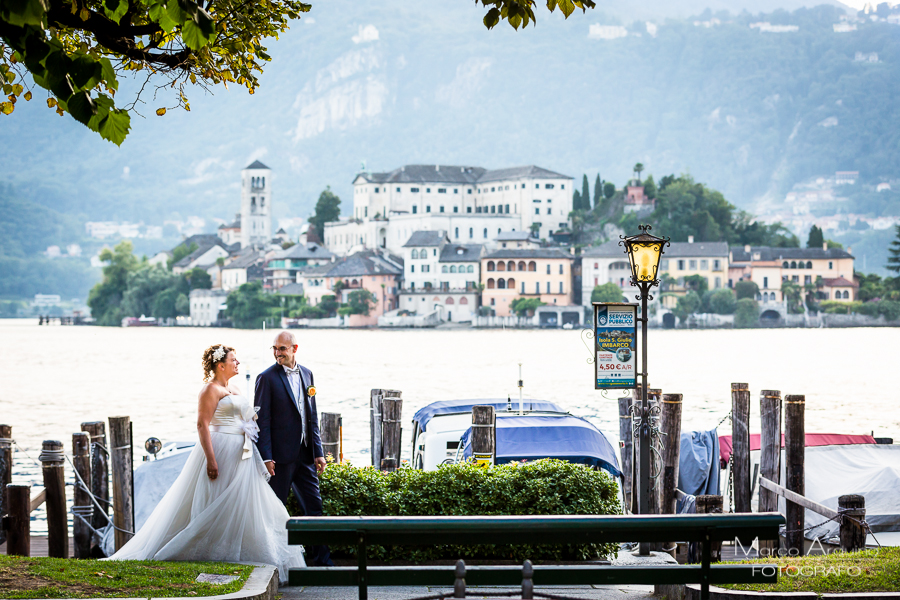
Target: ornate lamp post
[{"x": 644, "y": 251}]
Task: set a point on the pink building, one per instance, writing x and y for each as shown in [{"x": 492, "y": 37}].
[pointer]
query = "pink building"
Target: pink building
[{"x": 372, "y": 270}]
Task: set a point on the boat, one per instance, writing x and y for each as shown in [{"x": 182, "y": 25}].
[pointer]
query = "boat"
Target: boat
[{"x": 442, "y": 434}]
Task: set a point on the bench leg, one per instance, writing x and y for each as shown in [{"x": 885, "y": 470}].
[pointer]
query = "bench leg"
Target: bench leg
[
  {"x": 363, "y": 579},
  {"x": 705, "y": 559}
]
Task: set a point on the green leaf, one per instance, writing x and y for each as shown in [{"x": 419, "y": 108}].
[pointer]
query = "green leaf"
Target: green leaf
[
  {"x": 115, "y": 9},
  {"x": 551, "y": 5},
  {"x": 492, "y": 18},
  {"x": 567, "y": 7},
  {"x": 175, "y": 12},
  {"x": 81, "y": 107},
  {"x": 20, "y": 13},
  {"x": 108, "y": 74},
  {"x": 193, "y": 35},
  {"x": 85, "y": 71},
  {"x": 115, "y": 126},
  {"x": 160, "y": 15}
]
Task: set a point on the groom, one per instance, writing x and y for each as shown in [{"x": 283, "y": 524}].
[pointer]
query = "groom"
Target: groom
[{"x": 289, "y": 434}]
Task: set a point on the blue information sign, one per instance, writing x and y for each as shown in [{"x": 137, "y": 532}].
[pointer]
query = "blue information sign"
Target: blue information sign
[{"x": 615, "y": 345}]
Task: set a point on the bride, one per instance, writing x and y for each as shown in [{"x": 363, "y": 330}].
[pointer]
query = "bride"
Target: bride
[{"x": 220, "y": 506}]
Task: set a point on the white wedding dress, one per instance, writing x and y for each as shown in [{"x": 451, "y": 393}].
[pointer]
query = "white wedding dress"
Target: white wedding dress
[{"x": 236, "y": 517}]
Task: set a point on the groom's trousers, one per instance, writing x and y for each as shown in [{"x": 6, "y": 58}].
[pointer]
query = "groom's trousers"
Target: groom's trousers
[{"x": 301, "y": 477}]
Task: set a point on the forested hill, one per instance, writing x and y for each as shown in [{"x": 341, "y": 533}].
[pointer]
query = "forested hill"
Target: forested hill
[{"x": 746, "y": 111}]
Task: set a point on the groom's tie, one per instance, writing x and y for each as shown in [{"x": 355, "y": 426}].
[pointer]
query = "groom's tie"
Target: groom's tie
[{"x": 299, "y": 400}]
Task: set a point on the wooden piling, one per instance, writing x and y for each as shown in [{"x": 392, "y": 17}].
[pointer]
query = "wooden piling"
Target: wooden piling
[
  {"x": 769, "y": 456},
  {"x": 99, "y": 473},
  {"x": 794, "y": 457},
  {"x": 330, "y": 430},
  {"x": 391, "y": 432},
  {"x": 740, "y": 446},
  {"x": 52, "y": 457},
  {"x": 17, "y": 521},
  {"x": 484, "y": 434},
  {"x": 711, "y": 504},
  {"x": 375, "y": 408},
  {"x": 82, "y": 507},
  {"x": 670, "y": 426},
  {"x": 853, "y": 514},
  {"x": 122, "y": 479},
  {"x": 5, "y": 472},
  {"x": 626, "y": 448}
]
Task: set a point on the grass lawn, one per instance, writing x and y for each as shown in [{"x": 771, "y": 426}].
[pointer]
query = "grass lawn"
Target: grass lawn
[
  {"x": 61, "y": 578},
  {"x": 874, "y": 570}
]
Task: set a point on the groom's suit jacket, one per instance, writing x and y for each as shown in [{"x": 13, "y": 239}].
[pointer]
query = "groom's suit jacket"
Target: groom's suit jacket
[{"x": 279, "y": 419}]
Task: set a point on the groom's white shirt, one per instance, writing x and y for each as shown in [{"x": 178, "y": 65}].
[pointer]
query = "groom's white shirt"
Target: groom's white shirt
[{"x": 293, "y": 377}]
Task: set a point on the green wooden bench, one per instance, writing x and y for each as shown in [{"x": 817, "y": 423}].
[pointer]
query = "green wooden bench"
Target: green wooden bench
[{"x": 553, "y": 529}]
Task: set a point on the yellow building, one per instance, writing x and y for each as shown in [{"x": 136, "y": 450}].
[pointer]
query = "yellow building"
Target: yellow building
[
  {"x": 683, "y": 259},
  {"x": 544, "y": 273},
  {"x": 829, "y": 268}
]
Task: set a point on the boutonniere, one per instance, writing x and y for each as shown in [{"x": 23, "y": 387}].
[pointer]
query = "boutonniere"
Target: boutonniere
[{"x": 311, "y": 391}]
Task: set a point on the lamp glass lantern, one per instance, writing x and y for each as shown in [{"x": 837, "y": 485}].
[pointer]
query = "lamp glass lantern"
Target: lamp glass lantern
[{"x": 644, "y": 251}]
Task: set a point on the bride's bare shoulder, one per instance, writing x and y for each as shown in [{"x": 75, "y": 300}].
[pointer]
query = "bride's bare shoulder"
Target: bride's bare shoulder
[{"x": 211, "y": 392}]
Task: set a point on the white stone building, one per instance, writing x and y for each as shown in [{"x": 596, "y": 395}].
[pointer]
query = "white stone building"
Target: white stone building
[
  {"x": 606, "y": 263},
  {"x": 206, "y": 305},
  {"x": 473, "y": 205},
  {"x": 256, "y": 205}
]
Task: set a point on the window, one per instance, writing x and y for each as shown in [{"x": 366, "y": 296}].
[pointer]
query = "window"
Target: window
[
  {"x": 562, "y": 186},
  {"x": 493, "y": 301},
  {"x": 434, "y": 252},
  {"x": 793, "y": 264},
  {"x": 412, "y": 268},
  {"x": 426, "y": 268},
  {"x": 537, "y": 186},
  {"x": 455, "y": 190},
  {"x": 507, "y": 209},
  {"x": 795, "y": 279},
  {"x": 510, "y": 284},
  {"x": 704, "y": 265},
  {"x": 492, "y": 209},
  {"x": 415, "y": 253},
  {"x": 427, "y": 190},
  {"x": 663, "y": 264},
  {"x": 692, "y": 265},
  {"x": 442, "y": 190},
  {"x": 478, "y": 209},
  {"x": 536, "y": 201},
  {"x": 523, "y": 283},
  {"x": 765, "y": 283},
  {"x": 532, "y": 266},
  {"x": 548, "y": 269},
  {"x": 492, "y": 189},
  {"x": 365, "y": 211},
  {"x": 398, "y": 190},
  {"x": 548, "y": 186},
  {"x": 719, "y": 282},
  {"x": 501, "y": 266},
  {"x": 415, "y": 209},
  {"x": 471, "y": 233},
  {"x": 506, "y": 188},
  {"x": 807, "y": 279},
  {"x": 470, "y": 190},
  {"x": 444, "y": 269},
  {"x": 717, "y": 265},
  {"x": 537, "y": 210},
  {"x": 414, "y": 190},
  {"x": 453, "y": 268},
  {"x": 485, "y": 233},
  {"x": 521, "y": 265},
  {"x": 456, "y": 209},
  {"x": 681, "y": 265},
  {"x": 442, "y": 209},
  {"x": 376, "y": 190},
  {"x": 537, "y": 287},
  {"x": 456, "y": 231},
  {"x": 830, "y": 265},
  {"x": 428, "y": 209},
  {"x": 809, "y": 264},
  {"x": 469, "y": 209},
  {"x": 560, "y": 287},
  {"x": 548, "y": 287},
  {"x": 469, "y": 269},
  {"x": 501, "y": 284},
  {"x": 491, "y": 266},
  {"x": 549, "y": 210},
  {"x": 561, "y": 269},
  {"x": 511, "y": 266},
  {"x": 490, "y": 284},
  {"x": 785, "y": 265}
]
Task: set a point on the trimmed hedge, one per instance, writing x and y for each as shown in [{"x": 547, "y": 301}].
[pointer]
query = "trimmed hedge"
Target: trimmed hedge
[{"x": 543, "y": 487}]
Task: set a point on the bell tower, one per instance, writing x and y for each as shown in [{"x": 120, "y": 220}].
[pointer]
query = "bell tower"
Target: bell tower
[{"x": 256, "y": 205}]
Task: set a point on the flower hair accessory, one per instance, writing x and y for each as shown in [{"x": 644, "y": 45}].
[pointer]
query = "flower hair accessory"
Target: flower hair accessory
[{"x": 219, "y": 354}]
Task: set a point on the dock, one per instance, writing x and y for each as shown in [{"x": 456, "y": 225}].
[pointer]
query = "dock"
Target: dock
[{"x": 39, "y": 546}]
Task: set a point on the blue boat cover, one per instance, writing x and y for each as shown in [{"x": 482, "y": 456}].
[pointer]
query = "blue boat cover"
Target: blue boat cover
[
  {"x": 698, "y": 464},
  {"x": 563, "y": 437},
  {"x": 445, "y": 407}
]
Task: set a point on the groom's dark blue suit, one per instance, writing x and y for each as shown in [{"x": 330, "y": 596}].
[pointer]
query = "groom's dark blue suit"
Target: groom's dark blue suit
[{"x": 280, "y": 435}]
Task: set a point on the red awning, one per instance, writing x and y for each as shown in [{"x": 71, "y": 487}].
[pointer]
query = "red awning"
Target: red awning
[{"x": 812, "y": 439}]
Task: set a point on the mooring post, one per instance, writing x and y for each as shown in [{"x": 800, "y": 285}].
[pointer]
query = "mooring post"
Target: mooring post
[
  {"x": 5, "y": 472},
  {"x": 17, "y": 521},
  {"x": 769, "y": 455},
  {"x": 122, "y": 478},
  {"x": 484, "y": 435},
  {"x": 707, "y": 504},
  {"x": 853, "y": 516},
  {"x": 459, "y": 582},
  {"x": 330, "y": 429},
  {"x": 375, "y": 406},
  {"x": 392, "y": 406},
  {"x": 52, "y": 457},
  {"x": 82, "y": 507},
  {"x": 740, "y": 446},
  {"x": 626, "y": 448},
  {"x": 794, "y": 457},
  {"x": 99, "y": 473},
  {"x": 670, "y": 425}
]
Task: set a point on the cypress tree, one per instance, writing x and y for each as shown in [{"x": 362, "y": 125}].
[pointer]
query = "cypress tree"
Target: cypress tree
[
  {"x": 576, "y": 200},
  {"x": 816, "y": 238},
  {"x": 598, "y": 191},
  {"x": 585, "y": 193},
  {"x": 893, "y": 261}
]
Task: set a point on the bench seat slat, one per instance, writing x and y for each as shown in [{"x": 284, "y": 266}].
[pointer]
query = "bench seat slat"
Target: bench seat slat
[{"x": 543, "y": 575}]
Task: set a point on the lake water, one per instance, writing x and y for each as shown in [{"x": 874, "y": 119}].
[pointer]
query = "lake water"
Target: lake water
[{"x": 53, "y": 378}]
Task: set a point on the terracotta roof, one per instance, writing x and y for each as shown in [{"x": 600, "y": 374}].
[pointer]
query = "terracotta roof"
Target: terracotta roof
[{"x": 532, "y": 253}]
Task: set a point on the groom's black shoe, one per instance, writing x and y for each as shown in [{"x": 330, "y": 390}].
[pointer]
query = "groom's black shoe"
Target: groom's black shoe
[{"x": 319, "y": 556}]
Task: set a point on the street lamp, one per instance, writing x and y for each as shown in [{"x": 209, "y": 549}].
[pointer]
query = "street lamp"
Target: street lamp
[{"x": 644, "y": 251}]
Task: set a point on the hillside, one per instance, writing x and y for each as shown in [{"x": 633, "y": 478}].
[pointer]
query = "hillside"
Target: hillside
[{"x": 391, "y": 83}]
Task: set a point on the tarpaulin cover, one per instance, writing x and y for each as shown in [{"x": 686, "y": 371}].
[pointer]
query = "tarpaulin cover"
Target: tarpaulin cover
[
  {"x": 446, "y": 407},
  {"x": 698, "y": 463},
  {"x": 563, "y": 437},
  {"x": 812, "y": 439},
  {"x": 867, "y": 469}
]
